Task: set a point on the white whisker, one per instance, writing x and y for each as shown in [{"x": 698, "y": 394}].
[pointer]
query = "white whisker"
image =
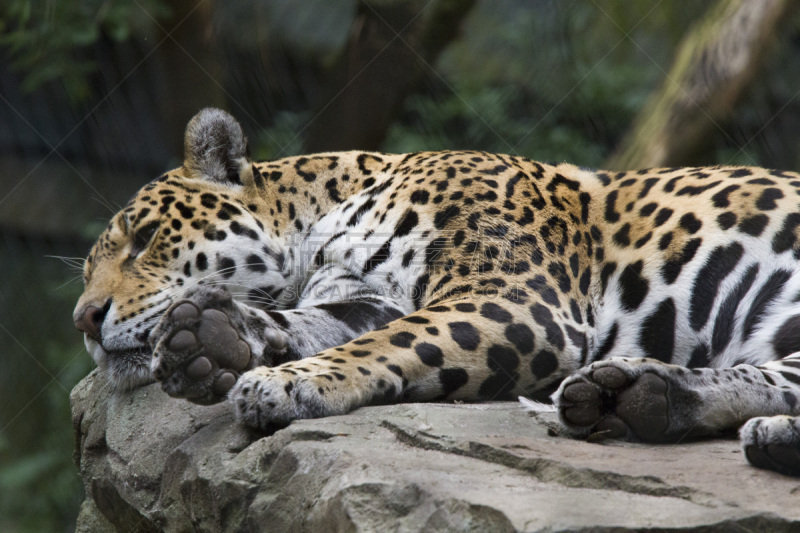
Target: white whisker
[
  {"x": 69, "y": 282},
  {"x": 74, "y": 263}
]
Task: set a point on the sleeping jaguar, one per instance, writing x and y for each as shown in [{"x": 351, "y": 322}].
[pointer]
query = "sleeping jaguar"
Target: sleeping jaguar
[{"x": 654, "y": 305}]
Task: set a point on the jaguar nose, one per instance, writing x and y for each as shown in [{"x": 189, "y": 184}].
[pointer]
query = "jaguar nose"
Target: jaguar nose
[{"x": 90, "y": 319}]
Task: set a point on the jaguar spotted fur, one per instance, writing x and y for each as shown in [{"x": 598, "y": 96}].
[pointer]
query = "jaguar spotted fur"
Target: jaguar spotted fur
[{"x": 653, "y": 305}]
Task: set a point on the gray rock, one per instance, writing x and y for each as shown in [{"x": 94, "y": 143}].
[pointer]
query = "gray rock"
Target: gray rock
[{"x": 150, "y": 463}]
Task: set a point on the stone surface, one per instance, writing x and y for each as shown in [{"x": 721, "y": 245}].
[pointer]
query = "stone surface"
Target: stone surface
[{"x": 150, "y": 463}]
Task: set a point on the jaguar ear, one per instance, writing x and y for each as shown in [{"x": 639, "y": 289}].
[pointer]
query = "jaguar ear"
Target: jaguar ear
[{"x": 216, "y": 148}]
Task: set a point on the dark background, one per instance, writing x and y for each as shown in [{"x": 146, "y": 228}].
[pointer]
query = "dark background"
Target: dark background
[{"x": 94, "y": 97}]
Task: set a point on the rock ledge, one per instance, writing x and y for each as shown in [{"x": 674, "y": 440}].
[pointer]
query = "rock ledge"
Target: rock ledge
[{"x": 150, "y": 463}]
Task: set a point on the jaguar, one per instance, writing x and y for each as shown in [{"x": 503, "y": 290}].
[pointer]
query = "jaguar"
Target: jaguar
[{"x": 654, "y": 305}]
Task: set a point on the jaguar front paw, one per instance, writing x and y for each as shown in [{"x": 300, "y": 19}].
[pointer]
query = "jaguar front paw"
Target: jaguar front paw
[
  {"x": 614, "y": 399},
  {"x": 773, "y": 443},
  {"x": 199, "y": 352},
  {"x": 266, "y": 397}
]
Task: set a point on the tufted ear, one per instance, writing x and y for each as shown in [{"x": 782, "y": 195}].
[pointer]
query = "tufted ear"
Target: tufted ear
[{"x": 216, "y": 148}]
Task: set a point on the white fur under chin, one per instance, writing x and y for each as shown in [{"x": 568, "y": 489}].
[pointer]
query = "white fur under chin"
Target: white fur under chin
[
  {"x": 533, "y": 406},
  {"x": 95, "y": 350},
  {"x": 122, "y": 375},
  {"x": 130, "y": 379}
]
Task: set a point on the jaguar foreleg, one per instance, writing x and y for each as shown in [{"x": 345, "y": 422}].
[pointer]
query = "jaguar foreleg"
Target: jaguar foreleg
[{"x": 467, "y": 350}]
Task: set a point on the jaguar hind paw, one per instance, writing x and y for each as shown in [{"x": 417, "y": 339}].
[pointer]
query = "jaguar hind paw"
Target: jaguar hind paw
[
  {"x": 773, "y": 443},
  {"x": 614, "y": 399}
]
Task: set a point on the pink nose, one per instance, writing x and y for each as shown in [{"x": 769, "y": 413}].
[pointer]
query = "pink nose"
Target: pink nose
[{"x": 90, "y": 320}]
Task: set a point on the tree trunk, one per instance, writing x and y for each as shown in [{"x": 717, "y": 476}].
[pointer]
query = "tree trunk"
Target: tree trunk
[
  {"x": 714, "y": 64},
  {"x": 391, "y": 44},
  {"x": 191, "y": 66}
]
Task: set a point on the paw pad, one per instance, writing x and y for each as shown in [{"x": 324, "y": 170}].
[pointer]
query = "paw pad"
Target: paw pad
[
  {"x": 778, "y": 457},
  {"x": 221, "y": 341},
  {"x": 606, "y": 400},
  {"x": 199, "y": 368},
  {"x": 200, "y": 354},
  {"x": 610, "y": 377},
  {"x": 183, "y": 340},
  {"x": 275, "y": 339},
  {"x": 586, "y": 400},
  {"x": 643, "y": 406},
  {"x": 185, "y": 311},
  {"x": 224, "y": 383},
  {"x": 773, "y": 443}
]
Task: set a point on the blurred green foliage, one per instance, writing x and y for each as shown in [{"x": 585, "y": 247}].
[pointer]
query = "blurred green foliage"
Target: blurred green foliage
[
  {"x": 553, "y": 80},
  {"x": 39, "y": 486},
  {"x": 283, "y": 138},
  {"x": 50, "y": 40}
]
